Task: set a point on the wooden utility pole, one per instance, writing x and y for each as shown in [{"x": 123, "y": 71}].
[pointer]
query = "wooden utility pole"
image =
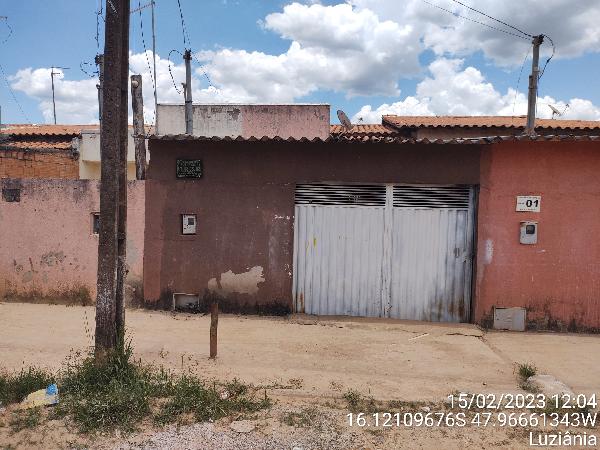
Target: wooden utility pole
[
  {"x": 113, "y": 129},
  {"x": 214, "y": 323},
  {"x": 122, "y": 173},
  {"x": 137, "y": 105},
  {"x": 533, "y": 84}
]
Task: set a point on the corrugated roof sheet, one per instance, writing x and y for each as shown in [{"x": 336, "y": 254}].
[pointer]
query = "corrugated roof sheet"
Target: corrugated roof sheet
[
  {"x": 393, "y": 139},
  {"x": 487, "y": 122}
]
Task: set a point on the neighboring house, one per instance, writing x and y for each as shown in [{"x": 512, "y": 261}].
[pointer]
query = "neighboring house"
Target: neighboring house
[
  {"x": 55, "y": 151},
  {"x": 448, "y": 127}
]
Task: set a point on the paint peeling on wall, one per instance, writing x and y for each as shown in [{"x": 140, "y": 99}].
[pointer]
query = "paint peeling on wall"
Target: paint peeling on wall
[
  {"x": 241, "y": 283},
  {"x": 489, "y": 251}
]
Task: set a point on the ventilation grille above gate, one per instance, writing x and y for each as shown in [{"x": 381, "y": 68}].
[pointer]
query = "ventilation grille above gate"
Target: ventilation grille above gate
[
  {"x": 340, "y": 194},
  {"x": 455, "y": 197}
]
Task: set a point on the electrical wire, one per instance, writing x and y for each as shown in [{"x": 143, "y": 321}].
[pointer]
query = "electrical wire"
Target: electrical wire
[
  {"x": 203, "y": 71},
  {"x": 10, "y": 31},
  {"x": 186, "y": 37},
  {"x": 92, "y": 74},
  {"x": 13, "y": 94},
  {"x": 519, "y": 81},
  {"x": 493, "y": 18},
  {"x": 145, "y": 50},
  {"x": 170, "y": 72},
  {"x": 475, "y": 21},
  {"x": 551, "y": 56}
]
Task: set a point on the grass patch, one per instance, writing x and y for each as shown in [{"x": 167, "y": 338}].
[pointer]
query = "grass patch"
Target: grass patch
[
  {"x": 304, "y": 418},
  {"x": 16, "y": 386},
  {"x": 524, "y": 371},
  {"x": 357, "y": 403},
  {"x": 25, "y": 419},
  {"x": 122, "y": 392}
]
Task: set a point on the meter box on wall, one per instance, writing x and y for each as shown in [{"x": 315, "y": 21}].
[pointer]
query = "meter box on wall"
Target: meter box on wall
[
  {"x": 529, "y": 232},
  {"x": 188, "y": 224}
]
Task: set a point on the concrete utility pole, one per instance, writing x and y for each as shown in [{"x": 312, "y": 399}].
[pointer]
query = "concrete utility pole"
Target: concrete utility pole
[
  {"x": 137, "y": 105},
  {"x": 52, "y": 73},
  {"x": 189, "y": 122},
  {"x": 533, "y": 84},
  {"x": 113, "y": 145},
  {"x": 99, "y": 60}
]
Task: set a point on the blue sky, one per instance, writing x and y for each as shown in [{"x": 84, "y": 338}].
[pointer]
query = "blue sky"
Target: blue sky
[{"x": 246, "y": 47}]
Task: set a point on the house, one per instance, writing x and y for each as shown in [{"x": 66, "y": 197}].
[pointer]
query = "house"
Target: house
[
  {"x": 371, "y": 222},
  {"x": 55, "y": 151}
]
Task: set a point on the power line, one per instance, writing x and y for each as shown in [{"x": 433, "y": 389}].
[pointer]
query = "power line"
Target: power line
[
  {"x": 493, "y": 18},
  {"x": 519, "y": 81},
  {"x": 475, "y": 21},
  {"x": 144, "y": 44},
  {"x": 10, "y": 30},
  {"x": 186, "y": 37},
  {"x": 170, "y": 72},
  {"x": 551, "y": 56},
  {"x": 13, "y": 94}
]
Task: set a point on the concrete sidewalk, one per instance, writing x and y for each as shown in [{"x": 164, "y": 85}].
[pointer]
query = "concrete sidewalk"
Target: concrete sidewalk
[{"x": 386, "y": 359}]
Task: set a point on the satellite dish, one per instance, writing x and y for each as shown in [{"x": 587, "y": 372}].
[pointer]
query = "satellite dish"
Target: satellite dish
[
  {"x": 344, "y": 120},
  {"x": 554, "y": 111}
]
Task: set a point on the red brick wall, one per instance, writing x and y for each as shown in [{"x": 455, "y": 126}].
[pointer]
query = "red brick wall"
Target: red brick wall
[
  {"x": 557, "y": 279},
  {"x": 20, "y": 164}
]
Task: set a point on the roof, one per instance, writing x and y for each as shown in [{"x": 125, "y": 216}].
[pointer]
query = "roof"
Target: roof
[
  {"x": 383, "y": 139},
  {"x": 47, "y": 130},
  {"x": 486, "y": 122},
  {"x": 364, "y": 130}
]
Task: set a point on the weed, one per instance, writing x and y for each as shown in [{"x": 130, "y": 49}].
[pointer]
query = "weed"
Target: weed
[
  {"x": 296, "y": 383},
  {"x": 25, "y": 419},
  {"x": 15, "y": 387},
  {"x": 191, "y": 395},
  {"x": 304, "y": 418},
  {"x": 356, "y": 402},
  {"x": 526, "y": 370}
]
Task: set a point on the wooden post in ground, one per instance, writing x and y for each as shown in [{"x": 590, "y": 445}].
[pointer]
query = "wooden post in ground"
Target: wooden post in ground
[
  {"x": 122, "y": 173},
  {"x": 214, "y": 322},
  {"x": 137, "y": 106},
  {"x": 110, "y": 144}
]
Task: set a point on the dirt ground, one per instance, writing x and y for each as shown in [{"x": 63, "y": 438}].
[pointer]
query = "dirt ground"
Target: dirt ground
[{"x": 310, "y": 363}]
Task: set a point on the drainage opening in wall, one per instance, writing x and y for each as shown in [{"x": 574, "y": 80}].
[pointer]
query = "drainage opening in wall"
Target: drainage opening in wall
[{"x": 185, "y": 301}]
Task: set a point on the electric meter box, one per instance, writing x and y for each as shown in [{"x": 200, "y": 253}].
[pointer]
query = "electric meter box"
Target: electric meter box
[
  {"x": 529, "y": 232},
  {"x": 188, "y": 224}
]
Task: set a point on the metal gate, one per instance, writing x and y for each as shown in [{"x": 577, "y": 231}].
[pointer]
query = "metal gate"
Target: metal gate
[{"x": 399, "y": 251}]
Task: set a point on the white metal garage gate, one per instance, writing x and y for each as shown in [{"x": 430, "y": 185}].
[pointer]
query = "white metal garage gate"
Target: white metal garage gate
[{"x": 399, "y": 251}]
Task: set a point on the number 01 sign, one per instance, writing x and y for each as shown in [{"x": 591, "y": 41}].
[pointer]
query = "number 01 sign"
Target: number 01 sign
[{"x": 529, "y": 203}]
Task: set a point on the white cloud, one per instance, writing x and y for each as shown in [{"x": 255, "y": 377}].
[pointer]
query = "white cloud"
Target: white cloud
[
  {"x": 572, "y": 24},
  {"x": 454, "y": 90}
]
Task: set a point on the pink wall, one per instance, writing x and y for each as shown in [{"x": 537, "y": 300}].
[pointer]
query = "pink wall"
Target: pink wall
[
  {"x": 47, "y": 249},
  {"x": 558, "y": 279}
]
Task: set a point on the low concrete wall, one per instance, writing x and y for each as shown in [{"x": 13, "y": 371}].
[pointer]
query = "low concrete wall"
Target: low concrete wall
[{"x": 48, "y": 252}]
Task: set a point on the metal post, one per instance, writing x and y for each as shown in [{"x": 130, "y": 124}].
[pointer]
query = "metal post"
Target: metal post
[
  {"x": 214, "y": 322},
  {"x": 99, "y": 60},
  {"x": 189, "y": 124},
  {"x": 533, "y": 84},
  {"x": 137, "y": 106}
]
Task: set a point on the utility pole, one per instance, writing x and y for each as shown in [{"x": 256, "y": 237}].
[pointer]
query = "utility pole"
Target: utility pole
[
  {"x": 112, "y": 129},
  {"x": 154, "y": 62},
  {"x": 52, "y": 73},
  {"x": 99, "y": 60},
  {"x": 189, "y": 123},
  {"x": 137, "y": 106},
  {"x": 122, "y": 173},
  {"x": 533, "y": 84}
]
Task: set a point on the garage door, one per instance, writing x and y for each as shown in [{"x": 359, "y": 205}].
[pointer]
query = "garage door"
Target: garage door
[{"x": 398, "y": 251}]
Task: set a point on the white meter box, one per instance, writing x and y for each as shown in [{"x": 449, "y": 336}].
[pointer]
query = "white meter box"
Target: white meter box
[
  {"x": 529, "y": 203},
  {"x": 188, "y": 224}
]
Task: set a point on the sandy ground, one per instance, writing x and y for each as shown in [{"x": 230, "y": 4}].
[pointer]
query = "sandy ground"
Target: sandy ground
[{"x": 389, "y": 360}]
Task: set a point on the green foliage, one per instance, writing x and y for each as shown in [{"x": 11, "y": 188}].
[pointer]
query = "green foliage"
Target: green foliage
[
  {"x": 526, "y": 370},
  {"x": 191, "y": 395},
  {"x": 25, "y": 419},
  {"x": 16, "y": 386}
]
